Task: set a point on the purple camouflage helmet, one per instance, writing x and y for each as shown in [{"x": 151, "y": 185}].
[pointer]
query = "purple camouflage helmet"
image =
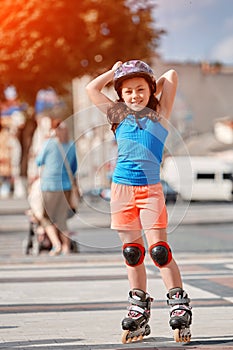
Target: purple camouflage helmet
[{"x": 134, "y": 68}]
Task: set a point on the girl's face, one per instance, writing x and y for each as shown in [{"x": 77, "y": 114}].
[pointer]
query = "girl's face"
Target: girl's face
[{"x": 136, "y": 93}]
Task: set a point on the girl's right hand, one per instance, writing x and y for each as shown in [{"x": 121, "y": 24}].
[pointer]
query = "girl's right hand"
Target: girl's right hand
[{"x": 116, "y": 65}]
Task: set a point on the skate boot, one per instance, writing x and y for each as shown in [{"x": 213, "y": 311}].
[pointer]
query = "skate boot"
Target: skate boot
[
  {"x": 180, "y": 314},
  {"x": 135, "y": 324}
]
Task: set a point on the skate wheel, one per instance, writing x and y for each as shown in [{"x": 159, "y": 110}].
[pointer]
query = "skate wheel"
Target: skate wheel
[
  {"x": 124, "y": 337},
  {"x": 179, "y": 337},
  {"x": 140, "y": 337}
]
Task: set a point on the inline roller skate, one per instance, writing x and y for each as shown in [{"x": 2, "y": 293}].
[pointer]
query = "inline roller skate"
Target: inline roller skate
[
  {"x": 135, "y": 324},
  {"x": 180, "y": 314}
]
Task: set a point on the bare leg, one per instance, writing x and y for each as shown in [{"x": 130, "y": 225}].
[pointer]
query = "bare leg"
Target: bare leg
[
  {"x": 53, "y": 236},
  {"x": 170, "y": 273},
  {"x": 180, "y": 313},
  {"x": 65, "y": 239},
  {"x": 136, "y": 275}
]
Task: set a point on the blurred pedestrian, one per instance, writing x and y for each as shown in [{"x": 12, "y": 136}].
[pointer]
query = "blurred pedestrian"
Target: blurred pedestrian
[
  {"x": 40, "y": 135},
  {"x": 12, "y": 120},
  {"x": 56, "y": 186}
]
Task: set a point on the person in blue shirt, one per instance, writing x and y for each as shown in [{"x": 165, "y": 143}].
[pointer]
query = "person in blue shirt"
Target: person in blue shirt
[
  {"x": 56, "y": 186},
  {"x": 139, "y": 120}
]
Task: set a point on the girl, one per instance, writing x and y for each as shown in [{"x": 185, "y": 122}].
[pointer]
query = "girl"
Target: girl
[{"x": 139, "y": 121}]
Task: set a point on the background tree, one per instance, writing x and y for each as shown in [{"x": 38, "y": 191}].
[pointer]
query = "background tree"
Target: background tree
[{"x": 47, "y": 43}]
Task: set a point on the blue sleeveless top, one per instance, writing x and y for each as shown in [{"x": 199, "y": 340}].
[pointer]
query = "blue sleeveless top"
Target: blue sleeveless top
[{"x": 140, "y": 148}]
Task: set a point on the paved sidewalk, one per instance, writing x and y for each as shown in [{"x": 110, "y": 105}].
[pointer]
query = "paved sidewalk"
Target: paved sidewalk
[
  {"x": 97, "y": 214},
  {"x": 77, "y": 302}
]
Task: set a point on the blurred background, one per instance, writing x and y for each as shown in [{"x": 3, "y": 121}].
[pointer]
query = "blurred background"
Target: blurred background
[{"x": 51, "y": 49}]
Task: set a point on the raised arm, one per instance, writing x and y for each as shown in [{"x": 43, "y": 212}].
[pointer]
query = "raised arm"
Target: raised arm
[
  {"x": 94, "y": 88},
  {"x": 166, "y": 86}
]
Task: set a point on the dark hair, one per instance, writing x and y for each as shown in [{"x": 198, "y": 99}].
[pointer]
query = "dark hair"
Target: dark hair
[{"x": 119, "y": 111}]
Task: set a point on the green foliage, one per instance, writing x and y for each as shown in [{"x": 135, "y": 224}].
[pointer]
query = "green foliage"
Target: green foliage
[{"x": 47, "y": 43}]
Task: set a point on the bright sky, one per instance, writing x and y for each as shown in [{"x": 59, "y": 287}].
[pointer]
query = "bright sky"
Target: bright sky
[{"x": 197, "y": 30}]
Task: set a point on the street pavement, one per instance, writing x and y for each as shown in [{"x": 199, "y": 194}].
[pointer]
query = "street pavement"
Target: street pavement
[{"x": 77, "y": 301}]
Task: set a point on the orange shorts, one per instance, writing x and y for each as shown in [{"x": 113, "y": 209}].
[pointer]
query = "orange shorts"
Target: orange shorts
[{"x": 138, "y": 207}]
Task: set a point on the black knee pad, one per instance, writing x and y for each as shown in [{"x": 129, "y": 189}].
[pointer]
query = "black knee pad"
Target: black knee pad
[
  {"x": 160, "y": 253},
  {"x": 134, "y": 254}
]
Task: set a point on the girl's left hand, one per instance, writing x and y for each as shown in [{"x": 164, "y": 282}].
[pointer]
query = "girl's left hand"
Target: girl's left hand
[{"x": 116, "y": 65}]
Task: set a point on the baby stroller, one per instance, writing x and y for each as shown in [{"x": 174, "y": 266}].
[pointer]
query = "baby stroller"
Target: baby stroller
[{"x": 37, "y": 239}]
